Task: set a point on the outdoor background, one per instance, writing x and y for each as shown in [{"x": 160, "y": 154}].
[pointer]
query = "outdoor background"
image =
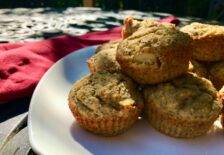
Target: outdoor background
[{"x": 207, "y": 9}]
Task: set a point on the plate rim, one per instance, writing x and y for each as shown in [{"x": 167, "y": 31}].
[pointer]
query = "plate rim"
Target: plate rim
[
  {"x": 35, "y": 145},
  {"x": 29, "y": 124}
]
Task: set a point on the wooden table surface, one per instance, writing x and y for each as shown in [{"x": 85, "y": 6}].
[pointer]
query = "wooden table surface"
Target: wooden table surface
[{"x": 24, "y": 25}]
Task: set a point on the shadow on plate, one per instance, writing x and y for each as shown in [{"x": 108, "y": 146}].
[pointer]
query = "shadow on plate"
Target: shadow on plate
[
  {"x": 142, "y": 139},
  {"x": 120, "y": 144}
]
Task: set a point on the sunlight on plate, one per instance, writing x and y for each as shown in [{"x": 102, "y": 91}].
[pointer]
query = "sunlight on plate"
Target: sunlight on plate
[{"x": 53, "y": 130}]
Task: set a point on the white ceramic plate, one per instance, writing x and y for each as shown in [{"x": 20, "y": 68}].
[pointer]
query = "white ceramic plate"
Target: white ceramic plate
[{"x": 54, "y": 131}]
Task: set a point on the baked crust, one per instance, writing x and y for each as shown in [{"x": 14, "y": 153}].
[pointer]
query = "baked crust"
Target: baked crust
[
  {"x": 216, "y": 74},
  {"x": 222, "y": 120},
  {"x": 208, "y": 41},
  {"x": 198, "y": 68},
  {"x": 104, "y": 60},
  {"x": 131, "y": 25},
  {"x": 154, "y": 54},
  {"x": 111, "y": 45},
  {"x": 105, "y": 103},
  {"x": 106, "y": 126},
  {"x": 183, "y": 107},
  {"x": 221, "y": 97}
]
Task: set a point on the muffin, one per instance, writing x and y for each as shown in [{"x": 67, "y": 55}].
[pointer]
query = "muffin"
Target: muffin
[
  {"x": 154, "y": 54},
  {"x": 109, "y": 46},
  {"x": 104, "y": 60},
  {"x": 198, "y": 68},
  {"x": 105, "y": 103},
  {"x": 221, "y": 97},
  {"x": 222, "y": 119},
  {"x": 131, "y": 25},
  {"x": 184, "y": 107},
  {"x": 208, "y": 41},
  {"x": 216, "y": 74}
]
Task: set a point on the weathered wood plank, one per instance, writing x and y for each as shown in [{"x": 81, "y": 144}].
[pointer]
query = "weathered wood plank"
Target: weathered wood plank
[
  {"x": 10, "y": 127},
  {"x": 18, "y": 144}
]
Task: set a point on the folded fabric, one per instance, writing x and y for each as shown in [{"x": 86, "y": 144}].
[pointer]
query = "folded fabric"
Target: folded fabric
[{"x": 23, "y": 64}]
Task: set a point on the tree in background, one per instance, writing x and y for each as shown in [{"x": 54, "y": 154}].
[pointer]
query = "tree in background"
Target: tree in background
[{"x": 208, "y": 9}]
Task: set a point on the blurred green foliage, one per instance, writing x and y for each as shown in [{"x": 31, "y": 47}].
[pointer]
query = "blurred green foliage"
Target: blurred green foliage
[
  {"x": 39, "y": 3},
  {"x": 195, "y": 8},
  {"x": 65, "y": 3}
]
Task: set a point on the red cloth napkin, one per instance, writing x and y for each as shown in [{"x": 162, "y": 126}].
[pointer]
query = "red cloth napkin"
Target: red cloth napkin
[{"x": 23, "y": 64}]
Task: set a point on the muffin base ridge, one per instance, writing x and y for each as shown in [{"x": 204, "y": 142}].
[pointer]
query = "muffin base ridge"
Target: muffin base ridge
[
  {"x": 106, "y": 126},
  {"x": 178, "y": 128}
]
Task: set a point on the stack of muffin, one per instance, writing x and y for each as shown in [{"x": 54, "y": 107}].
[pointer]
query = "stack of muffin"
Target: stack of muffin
[
  {"x": 148, "y": 70},
  {"x": 208, "y": 47}
]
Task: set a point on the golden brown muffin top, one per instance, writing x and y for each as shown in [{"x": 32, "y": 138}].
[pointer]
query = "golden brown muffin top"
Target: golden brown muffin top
[
  {"x": 109, "y": 46},
  {"x": 217, "y": 69},
  {"x": 199, "y": 30},
  {"x": 146, "y": 44},
  {"x": 105, "y": 94},
  {"x": 131, "y": 25},
  {"x": 105, "y": 60},
  {"x": 187, "y": 96}
]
